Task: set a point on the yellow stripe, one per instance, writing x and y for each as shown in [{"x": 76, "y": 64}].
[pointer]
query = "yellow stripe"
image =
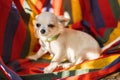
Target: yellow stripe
[
  {"x": 96, "y": 64},
  {"x": 76, "y": 10},
  {"x": 47, "y": 57},
  {"x": 32, "y": 4},
  {"x": 32, "y": 34},
  {"x": 119, "y": 2},
  {"x": 93, "y": 64}
]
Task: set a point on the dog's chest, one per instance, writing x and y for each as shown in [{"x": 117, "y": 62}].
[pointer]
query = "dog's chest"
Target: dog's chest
[{"x": 46, "y": 46}]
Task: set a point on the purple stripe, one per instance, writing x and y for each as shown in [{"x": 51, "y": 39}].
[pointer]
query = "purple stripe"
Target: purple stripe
[
  {"x": 11, "y": 26},
  {"x": 97, "y": 16},
  {"x": 15, "y": 66}
]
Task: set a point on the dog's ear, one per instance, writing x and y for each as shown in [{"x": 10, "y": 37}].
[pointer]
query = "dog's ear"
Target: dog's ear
[{"x": 64, "y": 21}]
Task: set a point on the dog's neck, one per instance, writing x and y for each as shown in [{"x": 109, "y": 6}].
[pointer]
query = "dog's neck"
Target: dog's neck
[{"x": 50, "y": 39}]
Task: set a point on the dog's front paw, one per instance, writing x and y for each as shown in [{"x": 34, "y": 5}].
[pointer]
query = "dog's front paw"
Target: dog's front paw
[
  {"x": 48, "y": 69},
  {"x": 65, "y": 65},
  {"x": 33, "y": 57}
]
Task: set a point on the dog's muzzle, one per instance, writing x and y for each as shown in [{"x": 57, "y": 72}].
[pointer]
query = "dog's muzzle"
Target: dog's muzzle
[{"x": 42, "y": 31}]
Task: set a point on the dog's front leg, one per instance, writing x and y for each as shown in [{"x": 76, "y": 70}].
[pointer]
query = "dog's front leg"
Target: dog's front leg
[
  {"x": 54, "y": 63},
  {"x": 40, "y": 53}
]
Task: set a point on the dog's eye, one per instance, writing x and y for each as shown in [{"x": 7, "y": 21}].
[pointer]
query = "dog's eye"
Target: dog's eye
[
  {"x": 51, "y": 25},
  {"x": 38, "y": 25}
]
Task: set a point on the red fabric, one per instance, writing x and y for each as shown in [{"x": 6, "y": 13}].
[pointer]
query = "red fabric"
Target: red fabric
[
  {"x": 87, "y": 15},
  {"x": 19, "y": 4},
  {"x": 39, "y": 4},
  {"x": 77, "y": 26},
  {"x": 5, "y": 8},
  {"x": 107, "y": 13},
  {"x": 20, "y": 33},
  {"x": 86, "y": 11},
  {"x": 30, "y": 67}
]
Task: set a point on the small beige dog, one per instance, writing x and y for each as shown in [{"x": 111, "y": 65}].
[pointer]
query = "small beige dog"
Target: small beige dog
[{"x": 63, "y": 43}]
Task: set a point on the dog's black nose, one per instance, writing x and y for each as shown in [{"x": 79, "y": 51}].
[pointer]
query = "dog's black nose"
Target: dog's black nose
[{"x": 42, "y": 31}]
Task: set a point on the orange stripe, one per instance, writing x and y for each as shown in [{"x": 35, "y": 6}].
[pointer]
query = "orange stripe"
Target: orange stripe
[
  {"x": 119, "y": 2},
  {"x": 35, "y": 5},
  {"x": 76, "y": 11},
  {"x": 33, "y": 38},
  {"x": 58, "y": 7}
]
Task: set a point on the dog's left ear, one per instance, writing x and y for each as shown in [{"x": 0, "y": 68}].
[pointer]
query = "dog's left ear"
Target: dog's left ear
[{"x": 64, "y": 21}]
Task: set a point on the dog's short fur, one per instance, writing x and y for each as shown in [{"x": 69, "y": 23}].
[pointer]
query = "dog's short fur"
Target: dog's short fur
[{"x": 76, "y": 46}]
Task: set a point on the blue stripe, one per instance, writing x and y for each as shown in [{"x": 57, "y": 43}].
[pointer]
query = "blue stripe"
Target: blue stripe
[
  {"x": 11, "y": 26},
  {"x": 113, "y": 63},
  {"x": 97, "y": 16},
  {"x": 86, "y": 25},
  {"x": 15, "y": 66}
]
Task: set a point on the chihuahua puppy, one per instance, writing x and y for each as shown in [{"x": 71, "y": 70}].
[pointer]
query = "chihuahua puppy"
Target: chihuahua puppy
[{"x": 63, "y": 43}]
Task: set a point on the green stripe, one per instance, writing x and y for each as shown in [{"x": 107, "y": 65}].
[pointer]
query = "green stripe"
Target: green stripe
[
  {"x": 68, "y": 8},
  {"x": 115, "y": 8},
  {"x": 55, "y": 75},
  {"x": 106, "y": 36},
  {"x": 26, "y": 47}
]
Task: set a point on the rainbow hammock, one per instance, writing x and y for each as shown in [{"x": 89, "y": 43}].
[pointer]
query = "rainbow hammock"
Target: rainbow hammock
[{"x": 99, "y": 18}]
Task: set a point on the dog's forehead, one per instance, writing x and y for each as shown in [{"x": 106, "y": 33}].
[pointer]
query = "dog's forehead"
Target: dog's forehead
[{"x": 46, "y": 18}]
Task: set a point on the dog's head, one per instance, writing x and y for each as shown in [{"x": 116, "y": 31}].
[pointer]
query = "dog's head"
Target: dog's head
[{"x": 48, "y": 25}]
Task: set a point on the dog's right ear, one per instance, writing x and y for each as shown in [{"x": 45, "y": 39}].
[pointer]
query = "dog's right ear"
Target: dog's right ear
[{"x": 64, "y": 21}]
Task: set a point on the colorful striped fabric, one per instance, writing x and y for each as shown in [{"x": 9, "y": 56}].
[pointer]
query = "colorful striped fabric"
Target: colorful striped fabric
[
  {"x": 6, "y": 73},
  {"x": 95, "y": 75},
  {"x": 100, "y": 18},
  {"x": 13, "y": 32}
]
